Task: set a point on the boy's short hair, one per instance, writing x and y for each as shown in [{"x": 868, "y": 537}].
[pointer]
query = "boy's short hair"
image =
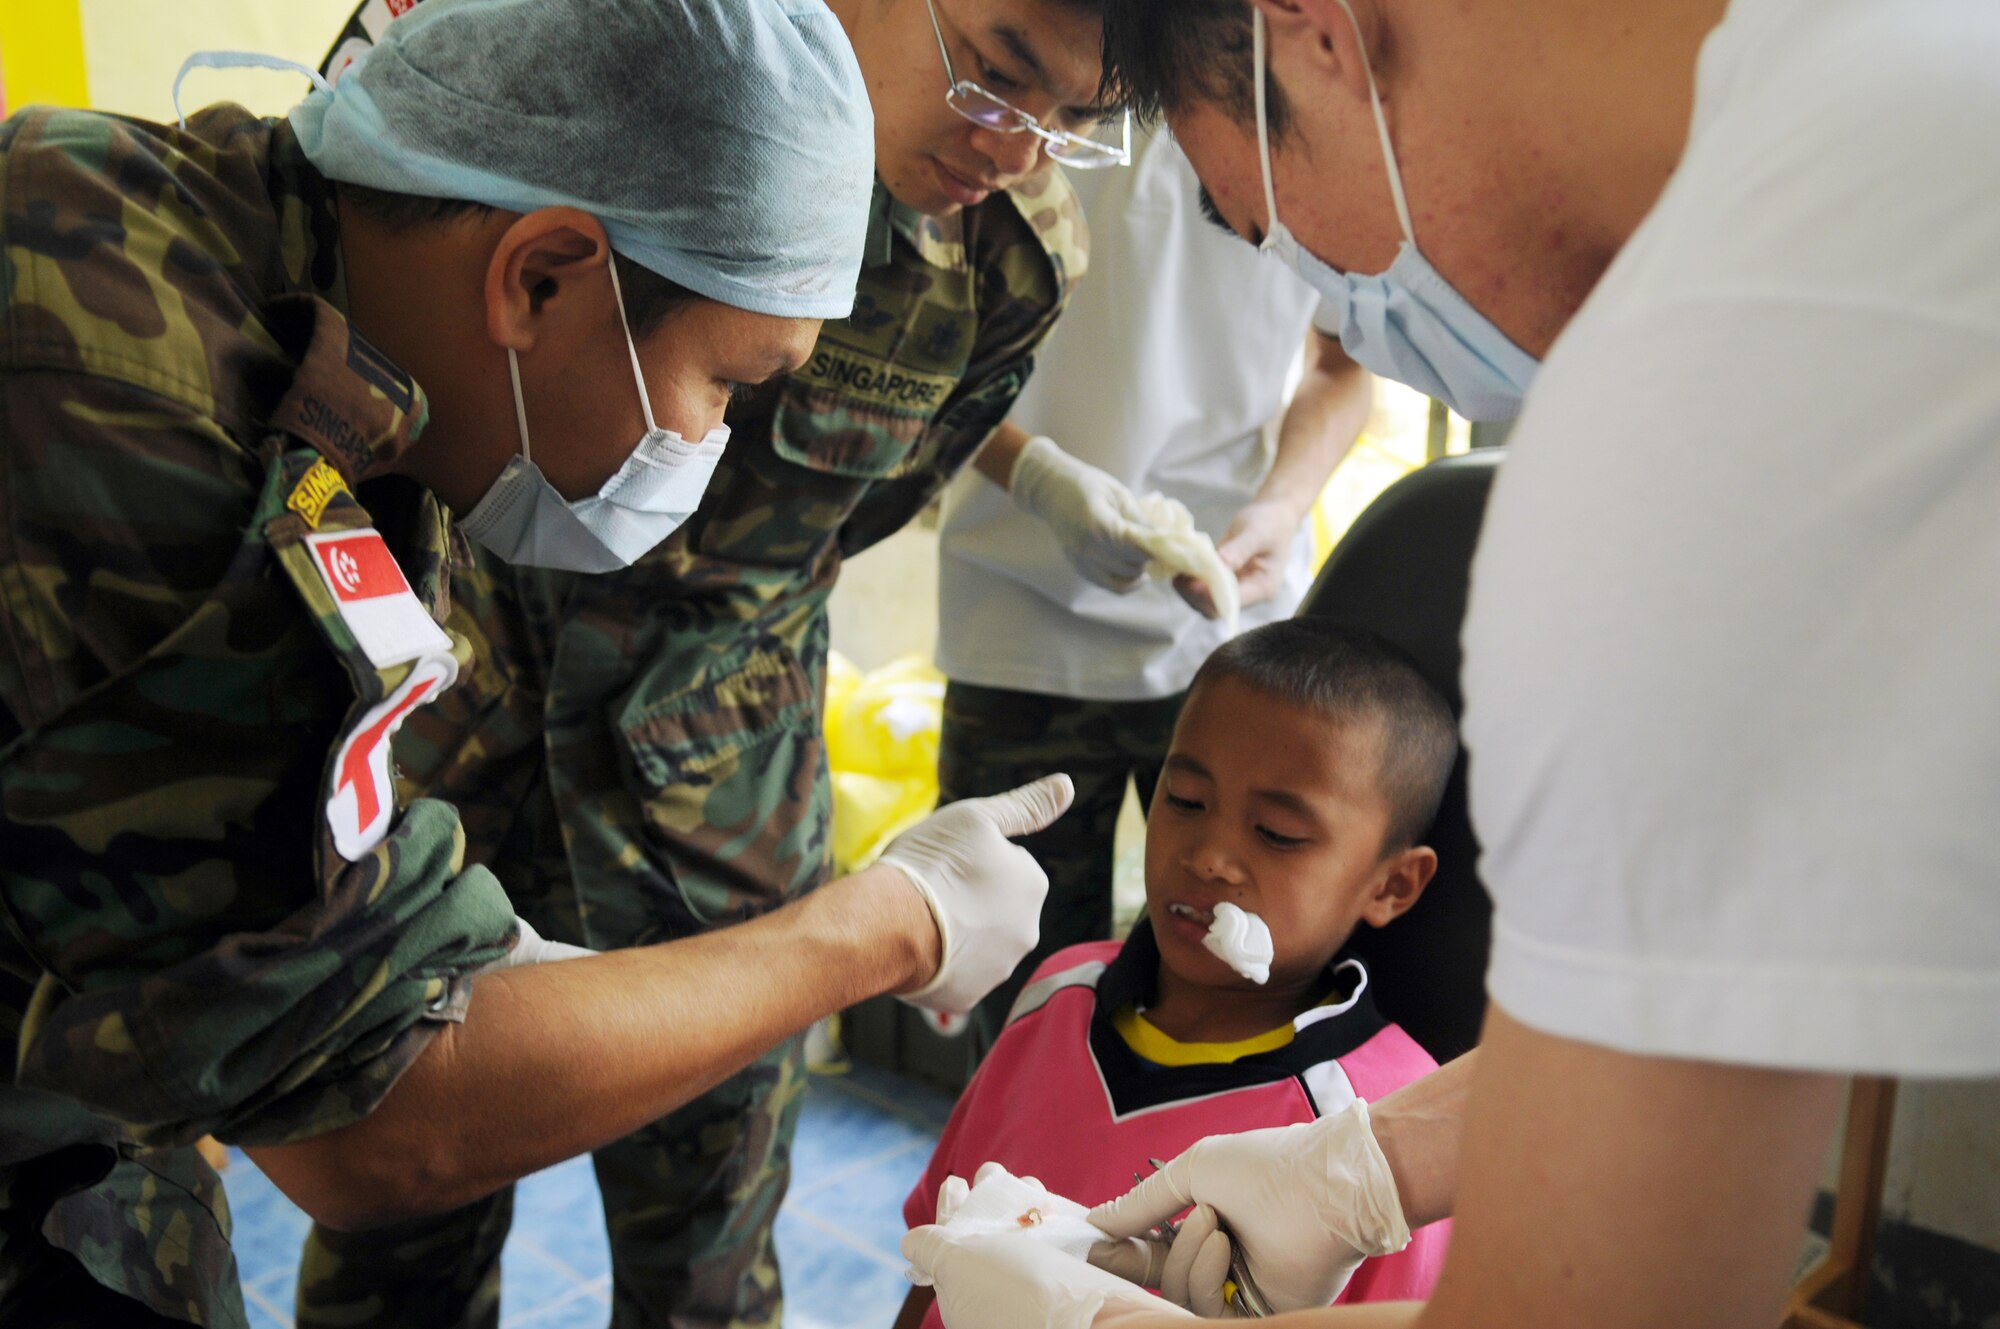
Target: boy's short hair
[{"x": 1343, "y": 674}]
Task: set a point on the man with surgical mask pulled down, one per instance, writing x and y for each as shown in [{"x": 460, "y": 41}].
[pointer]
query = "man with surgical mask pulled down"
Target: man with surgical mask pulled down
[
  {"x": 1728, "y": 656},
  {"x": 248, "y": 367}
]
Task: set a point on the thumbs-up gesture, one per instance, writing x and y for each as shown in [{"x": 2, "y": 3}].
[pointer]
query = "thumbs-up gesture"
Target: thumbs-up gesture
[{"x": 984, "y": 893}]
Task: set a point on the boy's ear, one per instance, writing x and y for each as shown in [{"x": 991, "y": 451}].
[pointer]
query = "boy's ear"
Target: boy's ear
[{"x": 1401, "y": 885}]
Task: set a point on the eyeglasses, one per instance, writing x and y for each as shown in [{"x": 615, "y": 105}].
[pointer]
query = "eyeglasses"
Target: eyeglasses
[{"x": 991, "y": 111}]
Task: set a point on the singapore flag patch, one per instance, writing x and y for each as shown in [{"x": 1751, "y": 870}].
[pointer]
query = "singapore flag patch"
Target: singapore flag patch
[
  {"x": 363, "y": 797},
  {"x": 389, "y": 623}
]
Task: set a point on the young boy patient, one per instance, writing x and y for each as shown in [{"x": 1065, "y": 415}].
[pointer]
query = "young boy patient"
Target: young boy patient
[{"x": 1308, "y": 762}]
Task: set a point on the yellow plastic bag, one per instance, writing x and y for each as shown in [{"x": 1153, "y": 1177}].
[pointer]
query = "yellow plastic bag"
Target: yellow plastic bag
[
  {"x": 882, "y": 741},
  {"x": 889, "y": 724},
  {"x": 870, "y": 810}
]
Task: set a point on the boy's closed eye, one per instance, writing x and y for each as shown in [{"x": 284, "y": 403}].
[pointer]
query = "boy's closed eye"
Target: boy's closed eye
[{"x": 1275, "y": 838}]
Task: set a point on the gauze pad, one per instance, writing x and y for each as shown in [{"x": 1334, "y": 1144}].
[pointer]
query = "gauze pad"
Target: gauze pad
[
  {"x": 1240, "y": 940},
  {"x": 1177, "y": 547},
  {"x": 999, "y": 1201}
]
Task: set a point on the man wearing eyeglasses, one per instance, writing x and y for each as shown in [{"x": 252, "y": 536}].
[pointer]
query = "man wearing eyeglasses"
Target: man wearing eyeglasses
[{"x": 642, "y": 759}]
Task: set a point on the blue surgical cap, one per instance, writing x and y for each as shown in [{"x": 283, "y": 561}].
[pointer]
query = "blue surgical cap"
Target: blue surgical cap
[{"x": 726, "y": 145}]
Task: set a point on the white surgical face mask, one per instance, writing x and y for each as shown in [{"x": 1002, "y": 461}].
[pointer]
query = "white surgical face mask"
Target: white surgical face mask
[
  {"x": 525, "y": 520},
  {"x": 1408, "y": 323}
]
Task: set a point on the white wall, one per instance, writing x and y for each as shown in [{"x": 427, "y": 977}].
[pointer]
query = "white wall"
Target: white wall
[{"x": 885, "y": 604}]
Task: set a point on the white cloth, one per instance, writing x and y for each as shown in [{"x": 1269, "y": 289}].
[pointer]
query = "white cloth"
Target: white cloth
[
  {"x": 1179, "y": 549},
  {"x": 1733, "y": 651},
  {"x": 999, "y": 1201},
  {"x": 1169, "y": 361},
  {"x": 1006, "y": 1251},
  {"x": 1242, "y": 941}
]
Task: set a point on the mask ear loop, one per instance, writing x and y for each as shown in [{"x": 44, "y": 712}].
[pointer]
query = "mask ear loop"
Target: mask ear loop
[
  {"x": 1382, "y": 130},
  {"x": 239, "y": 60},
  {"x": 1259, "y": 39},
  {"x": 520, "y": 407},
  {"x": 631, "y": 349}
]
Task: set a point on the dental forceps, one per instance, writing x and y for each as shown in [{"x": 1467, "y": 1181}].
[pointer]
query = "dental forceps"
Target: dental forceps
[{"x": 1241, "y": 1292}]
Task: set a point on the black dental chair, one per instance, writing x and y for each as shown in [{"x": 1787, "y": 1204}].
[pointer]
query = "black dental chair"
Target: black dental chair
[{"x": 1401, "y": 572}]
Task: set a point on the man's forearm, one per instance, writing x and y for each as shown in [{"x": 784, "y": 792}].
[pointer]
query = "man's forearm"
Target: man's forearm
[
  {"x": 1418, "y": 1128},
  {"x": 1325, "y": 416},
  {"x": 556, "y": 1059}
]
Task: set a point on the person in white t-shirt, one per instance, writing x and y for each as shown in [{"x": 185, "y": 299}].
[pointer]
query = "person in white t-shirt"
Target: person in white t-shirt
[
  {"x": 1731, "y": 715},
  {"x": 1164, "y": 376}
]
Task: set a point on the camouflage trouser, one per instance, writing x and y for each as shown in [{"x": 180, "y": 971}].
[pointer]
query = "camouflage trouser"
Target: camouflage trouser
[
  {"x": 156, "y": 1227},
  {"x": 995, "y": 739},
  {"x": 690, "y": 1202}
]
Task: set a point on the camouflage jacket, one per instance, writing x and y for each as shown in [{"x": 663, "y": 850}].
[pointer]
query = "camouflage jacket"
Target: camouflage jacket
[
  {"x": 213, "y": 916},
  {"x": 638, "y": 755}
]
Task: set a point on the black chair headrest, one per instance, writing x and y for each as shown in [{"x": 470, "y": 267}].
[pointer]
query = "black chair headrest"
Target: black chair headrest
[{"x": 1402, "y": 572}]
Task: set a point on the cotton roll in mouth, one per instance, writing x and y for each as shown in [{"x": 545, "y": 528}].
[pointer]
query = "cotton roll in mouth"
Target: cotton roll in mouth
[{"x": 1240, "y": 940}]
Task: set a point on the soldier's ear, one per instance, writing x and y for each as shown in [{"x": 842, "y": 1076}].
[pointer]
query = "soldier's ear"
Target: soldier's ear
[{"x": 543, "y": 265}]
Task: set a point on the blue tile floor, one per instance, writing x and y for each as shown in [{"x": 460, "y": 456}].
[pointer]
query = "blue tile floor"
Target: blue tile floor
[{"x": 864, "y": 1138}]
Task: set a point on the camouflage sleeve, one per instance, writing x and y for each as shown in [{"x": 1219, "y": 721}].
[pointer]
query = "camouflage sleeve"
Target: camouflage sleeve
[
  {"x": 1026, "y": 276},
  {"x": 1027, "y": 250},
  {"x": 169, "y": 711}
]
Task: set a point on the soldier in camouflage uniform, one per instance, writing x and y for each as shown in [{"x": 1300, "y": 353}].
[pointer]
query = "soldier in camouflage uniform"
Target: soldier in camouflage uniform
[
  {"x": 639, "y": 755},
  {"x": 174, "y": 684},
  {"x": 220, "y": 591}
]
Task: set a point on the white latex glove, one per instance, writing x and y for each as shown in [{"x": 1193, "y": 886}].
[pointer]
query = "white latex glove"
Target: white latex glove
[
  {"x": 1197, "y": 1267},
  {"x": 1003, "y": 1280},
  {"x": 1096, "y": 519},
  {"x": 1309, "y": 1203},
  {"x": 984, "y": 893},
  {"x": 534, "y": 948},
  {"x": 1192, "y": 1272}
]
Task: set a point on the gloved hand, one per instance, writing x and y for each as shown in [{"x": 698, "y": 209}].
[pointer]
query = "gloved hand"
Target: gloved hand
[
  {"x": 1256, "y": 547},
  {"x": 1095, "y": 518},
  {"x": 1001, "y": 1280},
  {"x": 1309, "y": 1203},
  {"x": 1192, "y": 1272},
  {"x": 984, "y": 893}
]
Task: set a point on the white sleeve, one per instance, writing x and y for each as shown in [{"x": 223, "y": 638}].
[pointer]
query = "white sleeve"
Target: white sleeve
[
  {"x": 534, "y": 948},
  {"x": 1733, "y": 649},
  {"x": 1733, "y": 688}
]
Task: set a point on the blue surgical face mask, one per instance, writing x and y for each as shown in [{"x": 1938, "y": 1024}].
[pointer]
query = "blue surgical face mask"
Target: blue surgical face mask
[
  {"x": 1408, "y": 323},
  {"x": 525, "y": 520}
]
